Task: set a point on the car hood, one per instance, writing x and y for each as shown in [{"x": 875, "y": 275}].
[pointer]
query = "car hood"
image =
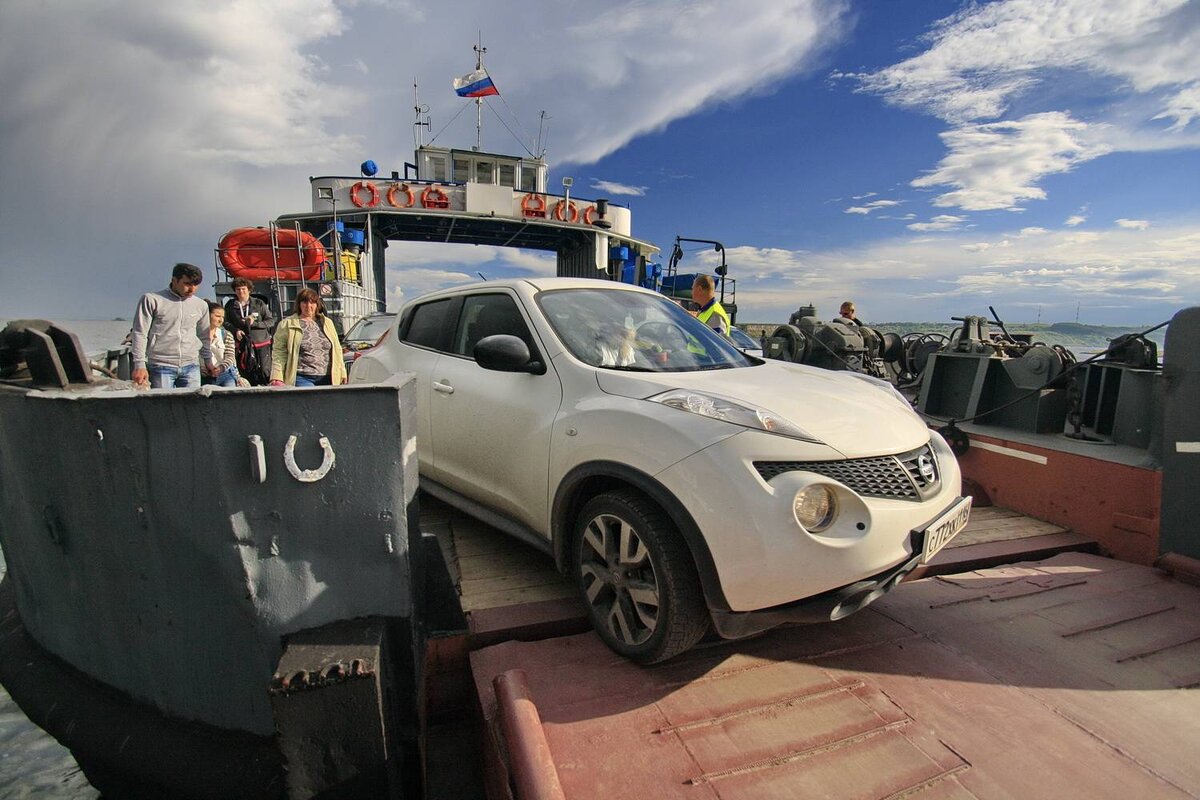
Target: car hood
[{"x": 842, "y": 411}]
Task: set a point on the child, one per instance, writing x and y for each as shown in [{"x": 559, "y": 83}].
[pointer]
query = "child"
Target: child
[{"x": 221, "y": 368}]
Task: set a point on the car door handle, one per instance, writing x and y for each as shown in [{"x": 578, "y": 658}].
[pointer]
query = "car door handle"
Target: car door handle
[{"x": 444, "y": 388}]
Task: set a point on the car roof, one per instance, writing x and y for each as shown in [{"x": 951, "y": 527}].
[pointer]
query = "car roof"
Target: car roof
[{"x": 536, "y": 284}]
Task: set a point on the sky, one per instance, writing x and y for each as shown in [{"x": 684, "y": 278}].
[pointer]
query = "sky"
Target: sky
[{"x": 925, "y": 158}]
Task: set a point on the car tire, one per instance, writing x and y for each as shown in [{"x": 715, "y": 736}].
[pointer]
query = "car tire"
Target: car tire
[{"x": 637, "y": 578}]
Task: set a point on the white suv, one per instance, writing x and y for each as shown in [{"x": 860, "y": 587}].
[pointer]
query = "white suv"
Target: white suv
[{"x": 678, "y": 481}]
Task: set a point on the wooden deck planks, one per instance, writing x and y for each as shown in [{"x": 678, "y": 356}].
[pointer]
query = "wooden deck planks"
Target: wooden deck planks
[
  {"x": 491, "y": 569},
  {"x": 994, "y": 524}
]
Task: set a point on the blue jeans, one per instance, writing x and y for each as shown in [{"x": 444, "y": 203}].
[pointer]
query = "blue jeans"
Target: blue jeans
[
  {"x": 227, "y": 378},
  {"x": 311, "y": 380},
  {"x": 185, "y": 377}
]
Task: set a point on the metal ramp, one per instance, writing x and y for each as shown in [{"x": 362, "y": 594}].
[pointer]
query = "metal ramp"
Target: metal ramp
[{"x": 1069, "y": 677}]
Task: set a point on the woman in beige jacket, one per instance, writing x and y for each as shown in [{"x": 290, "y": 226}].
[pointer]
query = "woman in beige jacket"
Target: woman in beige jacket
[{"x": 307, "y": 351}]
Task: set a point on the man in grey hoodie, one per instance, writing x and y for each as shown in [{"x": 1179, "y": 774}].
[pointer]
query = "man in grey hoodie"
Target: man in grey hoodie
[{"x": 170, "y": 333}]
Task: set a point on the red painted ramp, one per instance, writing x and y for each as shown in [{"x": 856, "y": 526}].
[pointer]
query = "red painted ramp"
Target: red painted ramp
[{"x": 1071, "y": 677}]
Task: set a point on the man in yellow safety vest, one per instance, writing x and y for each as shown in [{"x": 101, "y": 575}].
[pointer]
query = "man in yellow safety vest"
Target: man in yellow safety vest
[{"x": 710, "y": 312}]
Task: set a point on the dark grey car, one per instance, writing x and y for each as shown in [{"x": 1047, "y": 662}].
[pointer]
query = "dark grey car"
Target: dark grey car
[{"x": 363, "y": 334}]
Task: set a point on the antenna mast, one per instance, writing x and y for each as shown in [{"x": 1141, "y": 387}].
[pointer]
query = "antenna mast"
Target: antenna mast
[
  {"x": 418, "y": 110},
  {"x": 538, "y": 152},
  {"x": 479, "y": 51}
]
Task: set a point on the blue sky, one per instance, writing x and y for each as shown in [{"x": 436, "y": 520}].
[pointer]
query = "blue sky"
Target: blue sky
[{"x": 926, "y": 159}]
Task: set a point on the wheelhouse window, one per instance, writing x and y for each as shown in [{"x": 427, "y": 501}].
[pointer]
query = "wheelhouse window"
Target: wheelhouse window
[
  {"x": 437, "y": 168},
  {"x": 508, "y": 174},
  {"x": 528, "y": 179},
  {"x": 462, "y": 170},
  {"x": 484, "y": 171}
]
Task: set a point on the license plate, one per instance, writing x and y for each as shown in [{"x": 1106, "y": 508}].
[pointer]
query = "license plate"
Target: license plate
[{"x": 945, "y": 528}]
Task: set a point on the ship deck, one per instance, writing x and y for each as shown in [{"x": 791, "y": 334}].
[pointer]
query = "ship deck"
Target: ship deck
[
  {"x": 1022, "y": 664},
  {"x": 1074, "y": 676}
]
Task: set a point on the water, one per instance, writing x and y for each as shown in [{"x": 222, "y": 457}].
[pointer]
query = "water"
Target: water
[
  {"x": 95, "y": 335},
  {"x": 32, "y": 763}
]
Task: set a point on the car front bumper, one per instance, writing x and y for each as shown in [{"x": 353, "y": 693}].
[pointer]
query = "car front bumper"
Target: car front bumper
[
  {"x": 825, "y": 607},
  {"x": 765, "y": 561}
]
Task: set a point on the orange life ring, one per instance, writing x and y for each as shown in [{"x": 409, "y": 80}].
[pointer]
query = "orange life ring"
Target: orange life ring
[
  {"x": 368, "y": 187},
  {"x": 562, "y": 216},
  {"x": 434, "y": 197},
  {"x": 587, "y": 215},
  {"x": 533, "y": 205},
  {"x": 395, "y": 189}
]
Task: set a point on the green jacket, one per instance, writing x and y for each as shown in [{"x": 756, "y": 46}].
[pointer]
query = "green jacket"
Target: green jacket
[{"x": 285, "y": 351}]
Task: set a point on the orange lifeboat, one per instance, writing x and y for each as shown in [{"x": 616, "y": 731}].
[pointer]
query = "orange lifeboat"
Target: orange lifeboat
[{"x": 246, "y": 253}]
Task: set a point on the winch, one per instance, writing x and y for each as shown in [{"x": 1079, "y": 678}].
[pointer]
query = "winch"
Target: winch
[{"x": 837, "y": 345}]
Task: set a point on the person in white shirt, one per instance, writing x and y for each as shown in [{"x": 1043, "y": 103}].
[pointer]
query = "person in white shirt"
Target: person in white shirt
[{"x": 221, "y": 368}]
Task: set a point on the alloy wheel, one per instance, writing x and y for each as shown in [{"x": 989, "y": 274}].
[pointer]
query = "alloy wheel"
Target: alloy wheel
[{"x": 619, "y": 579}]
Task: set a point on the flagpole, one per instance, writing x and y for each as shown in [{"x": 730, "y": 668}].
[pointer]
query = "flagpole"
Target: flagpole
[{"x": 479, "y": 51}]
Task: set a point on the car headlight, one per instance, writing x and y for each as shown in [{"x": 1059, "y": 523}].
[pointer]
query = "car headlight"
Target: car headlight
[
  {"x": 815, "y": 507},
  {"x": 882, "y": 386},
  {"x": 748, "y": 416}
]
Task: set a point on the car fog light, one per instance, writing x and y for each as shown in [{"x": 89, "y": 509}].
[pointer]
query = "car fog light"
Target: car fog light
[{"x": 815, "y": 508}]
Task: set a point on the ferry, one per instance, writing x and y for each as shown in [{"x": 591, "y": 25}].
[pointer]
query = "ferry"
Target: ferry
[{"x": 241, "y": 593}]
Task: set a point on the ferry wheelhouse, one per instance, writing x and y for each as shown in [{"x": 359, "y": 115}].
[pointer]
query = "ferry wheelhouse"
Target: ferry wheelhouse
[{"x": 449, "y": 196}]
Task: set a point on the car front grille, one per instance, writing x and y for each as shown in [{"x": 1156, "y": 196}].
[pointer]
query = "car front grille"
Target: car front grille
[{"x": 897, "y": 476}]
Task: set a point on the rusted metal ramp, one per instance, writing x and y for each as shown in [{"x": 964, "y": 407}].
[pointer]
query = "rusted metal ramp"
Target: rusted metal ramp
[{"x": 1075, "y": 676}]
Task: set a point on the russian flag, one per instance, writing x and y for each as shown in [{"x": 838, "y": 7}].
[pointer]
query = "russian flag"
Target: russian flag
[{"x": 475, "y": 84}]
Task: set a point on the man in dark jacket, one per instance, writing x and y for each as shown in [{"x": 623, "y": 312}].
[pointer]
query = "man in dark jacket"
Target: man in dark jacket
[{"x": 249, "y": 320}]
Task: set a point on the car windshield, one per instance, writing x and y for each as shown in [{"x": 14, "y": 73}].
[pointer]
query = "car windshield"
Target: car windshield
[
  {"x": 637, "y": 331},
  {"x": 743, "y": 340},
  {"x": 368, "y": 329}
]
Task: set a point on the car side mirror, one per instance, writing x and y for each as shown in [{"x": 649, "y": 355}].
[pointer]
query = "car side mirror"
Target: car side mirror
[{"x": 505, "y": 353}]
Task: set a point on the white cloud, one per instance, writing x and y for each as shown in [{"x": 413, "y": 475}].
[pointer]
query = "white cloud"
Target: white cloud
[
  {"x": 979, "y": 247},
  {"x": 415, "y": 268},
  {"x": 1134, "y": 224},
  {"x": 1075, "y": 220},
  {"x": 416, "y": 281},
  {"x": 863, "y": 196},
  {"x": 471, "y": 258},
  {"x": 178, "y": 120},
  {"x": 982, "y": 58},
  {"x": 1033, "y": 231},
  {"x": 872, "y": 206},
  {"x": 1130, "y": 276},
  {"x": 645, "y": 65},
  {"x": 612, "y": 187},
  {"x": 942, "y": 222},
  {"x": 1183, "y": 107},
  {"x": 996, "y": 165},
  {"x": 989, "y": 58}
]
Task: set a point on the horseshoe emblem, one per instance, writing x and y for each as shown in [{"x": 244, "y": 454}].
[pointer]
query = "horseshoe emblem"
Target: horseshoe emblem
[{"x": 308, "y": 475}]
